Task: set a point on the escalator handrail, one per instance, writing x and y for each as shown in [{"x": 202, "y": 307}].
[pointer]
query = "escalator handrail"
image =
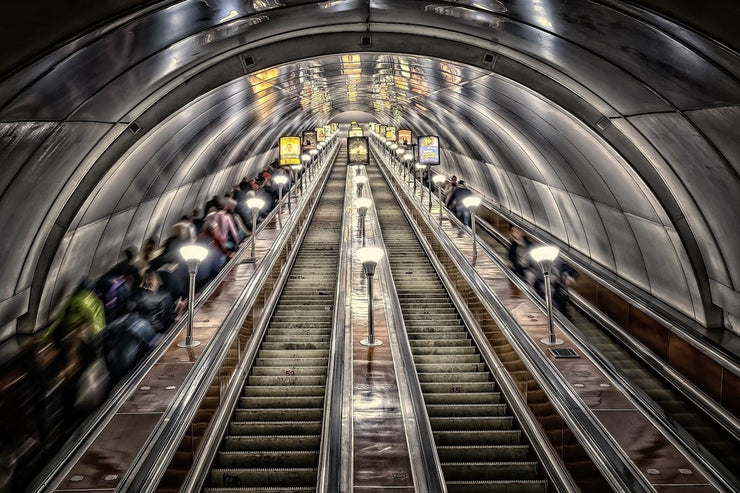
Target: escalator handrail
[
  {"x": 333, "y": 474},
  {"x": 723, "y": 418},
  {"x": 610, "y": 459},
  {"x": 155, "y": 455},
  {"x": 713, "y": 470}
]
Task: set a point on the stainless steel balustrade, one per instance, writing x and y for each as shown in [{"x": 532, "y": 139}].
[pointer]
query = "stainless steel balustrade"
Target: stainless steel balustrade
[
  {"x": 425, "y": 464},
  {"x": 716, "y": 472},
  {"x": 153, "y": 459},
  {"x": 607, "y": 455}
]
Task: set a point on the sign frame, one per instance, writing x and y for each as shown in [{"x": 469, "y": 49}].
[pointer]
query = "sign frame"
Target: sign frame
[
  {"x": 428, "y": 151},
  {"x": 290, "y": 151},
  {"x": 358, "y": 158}
]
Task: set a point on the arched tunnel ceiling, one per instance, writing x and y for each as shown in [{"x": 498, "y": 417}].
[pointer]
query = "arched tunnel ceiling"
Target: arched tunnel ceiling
[{"x": 605, "y": 127}]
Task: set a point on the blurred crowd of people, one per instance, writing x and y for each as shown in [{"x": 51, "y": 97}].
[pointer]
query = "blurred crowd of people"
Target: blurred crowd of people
[
  {"x": 49, "y": 383},
  {"x": 562, "y": 275}
]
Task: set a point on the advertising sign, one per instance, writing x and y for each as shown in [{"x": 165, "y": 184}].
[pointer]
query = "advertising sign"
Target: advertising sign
[
  {"x": 390, "y": 134},
  {"x": 355, "y": 132},
  {"x": 309, "y": 140},
  {"x": 320, "y": 135},
  {"x": 404, "y": 138},
  {"x": 357, "y": 150},
  {"x": 381, "y": 130},
  {"x": 290, "y": 151},
  {"x": 429, "y": 149},
  {"x": 327, "y": 131}
]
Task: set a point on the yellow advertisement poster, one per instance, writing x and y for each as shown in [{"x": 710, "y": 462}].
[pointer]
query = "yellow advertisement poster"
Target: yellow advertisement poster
[
  {"x": 290, "y": 151},
  {"x": 404, "y": 137},
  {"x": 355, "y": 132},
  {"x": 320, "y": 136},
  {"x": 390, "y": 134},
  {"x": 357, "y": 152}
]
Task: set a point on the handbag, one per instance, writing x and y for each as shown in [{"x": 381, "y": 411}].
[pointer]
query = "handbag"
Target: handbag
[{"x": 92, "y": 386}]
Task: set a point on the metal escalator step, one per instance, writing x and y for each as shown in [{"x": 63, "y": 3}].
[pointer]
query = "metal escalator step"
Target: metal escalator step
[
  {"x": 477, "y": 437},
  {"x": 263, "y": 428},
  {"x": 436, "y": 346},
  {"x": 463, "y": 398},
  {"x": 441, "y": 359},
  {"x": 290, "y": 362},
  {"x": 481, "y": 471},
  {"x": 277, "y": 337},
  {"x": 257, "y": 489},
  {"x": 286, "y": 380},
  {"x": 500, "y": 486},
  {"x": 483, "y": 453},
  {"x": 436, "y": 333},
  {"x": 271, "y": 442},
  {"x": 287, "y": 402},
  {"x": 466, "y": 410},
  {"x": 471, "y": 423},
  {"x": 458, "y": 387},
  {"x": 455, "y": 378},
  {"x": 288, "y": 346},
  {"x": 294, "y": 353},
  {"x": 450, "y": 367},
  {"x": 267, "y": 458},
  {"x": 264, "y": 477},
  {"x": 282, "y": 390},
  {"x": 289, "y": 370},
  {"x": 279, "y": 414}
]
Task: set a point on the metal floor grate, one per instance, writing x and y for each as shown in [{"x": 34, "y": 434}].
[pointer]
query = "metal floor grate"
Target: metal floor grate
[{"x": 564, "y": 353}]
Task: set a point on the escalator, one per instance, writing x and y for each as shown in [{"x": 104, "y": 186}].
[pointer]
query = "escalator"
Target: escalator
[
  {"x": 273, "y": 441},
  {"x": 477, "y": 440},
  {"x": 723, "y": 446}
]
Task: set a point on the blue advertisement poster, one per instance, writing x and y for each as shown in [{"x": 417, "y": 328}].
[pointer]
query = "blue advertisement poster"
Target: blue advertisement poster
[{"x": 429, "y": 149}]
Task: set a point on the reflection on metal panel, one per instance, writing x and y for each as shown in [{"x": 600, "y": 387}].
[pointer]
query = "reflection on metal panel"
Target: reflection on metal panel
[
  {"x": 664, "y": 269},
  {"x": 712, "y": 190},
  {"x": 628, "y": 257}
]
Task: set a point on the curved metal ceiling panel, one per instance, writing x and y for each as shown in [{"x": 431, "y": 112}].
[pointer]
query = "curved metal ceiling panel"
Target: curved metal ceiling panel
[{"x": 537, "y": 125}]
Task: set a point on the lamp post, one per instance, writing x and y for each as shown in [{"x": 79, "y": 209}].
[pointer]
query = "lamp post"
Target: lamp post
[
  {"x": 363, "y": 204},
  {"x": 312, "y": 160},
  {"x": 359, "y": 169},
  {"x": 280, "y": 181},
  {"x": 360, "y": 181},
  {"x": 438, "y": 180},
  {"x": 297, "y": 169},
  {"x": 254, "y": 205},
  {"x": 545, "y": 256},
  {"x": 193, "y": 255},
  {"x": 408, "y": 157},
  {"x": 400, "y": 152},
  {"x": 394, "y": 146},
  {"x": 472, "y": 203},
  {"x": 370, "y": 256},
  {"x": 418, "y": 167}
]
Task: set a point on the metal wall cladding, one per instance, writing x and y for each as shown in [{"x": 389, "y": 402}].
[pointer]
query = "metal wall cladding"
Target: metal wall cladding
[
  {"x": 35, "y": 196},
  {"x": 628, "y": 257},
  {"x": 714, "y": 124},
  {"x": 599, "y": 246},
  {"x": 707, "y": 190},
  {"x": 665, "y": 272}
]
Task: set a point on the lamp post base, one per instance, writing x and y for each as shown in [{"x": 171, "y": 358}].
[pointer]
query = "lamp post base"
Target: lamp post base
[
  {"x": 185, "y": 344},
  {"x": 554, "y": 342},
  {"x": 366, "y": 342}
]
